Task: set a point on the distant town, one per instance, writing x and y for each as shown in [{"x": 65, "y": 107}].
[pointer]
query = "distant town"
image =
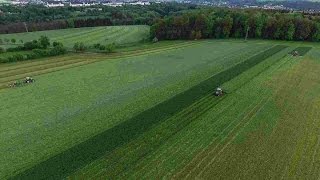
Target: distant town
[
  {"x": 79, "y": 3},
  {"x": 305, "y": 6}
]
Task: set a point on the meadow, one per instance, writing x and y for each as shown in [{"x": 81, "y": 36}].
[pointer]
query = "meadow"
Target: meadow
[
  {"x": 120, "y": 35},
  {"x": 150, "y": 113}
]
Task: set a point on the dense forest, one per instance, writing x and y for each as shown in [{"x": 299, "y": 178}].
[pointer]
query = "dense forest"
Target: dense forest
[
  {"x": 15, "y": 19},
  {"x": 168, "y": 21},
  {"x": 237, "y": 23}
]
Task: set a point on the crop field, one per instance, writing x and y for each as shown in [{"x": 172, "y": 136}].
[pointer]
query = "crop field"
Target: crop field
[
  {"x": 151, "y": 113},
  {"x": 90, "y": 35}
]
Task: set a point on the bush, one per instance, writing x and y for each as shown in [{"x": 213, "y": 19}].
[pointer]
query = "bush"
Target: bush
[
  {"x": 97, "y": 46},
  {"x": 13, "y": 49},
  {"x": 15, "y": 58},
  {"x": 102, "y": 47},
  {"x": 110, "y": 48},
  {"x": 55, "y": 44},
  {"x": 32, "y": 56},
  {"x": 3, "y": 60},
  {"x": 44, "y": 42},
  {"x": 79, "y": 47},
  {"x": 155, "y": 39},
  {"x": 57, "y": 50},
  {"x": 35, "y": 53},
  {"x": 32, "y": 45},
  {"x": 13, "y": 40},
  {"x": 2, "y": 50},
  {"x": 40, "y": 52}
]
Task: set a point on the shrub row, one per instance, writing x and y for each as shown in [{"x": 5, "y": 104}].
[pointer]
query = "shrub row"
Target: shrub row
[
  {"x": 34, "y": 54},
  {"x": 81, "y": 47}
]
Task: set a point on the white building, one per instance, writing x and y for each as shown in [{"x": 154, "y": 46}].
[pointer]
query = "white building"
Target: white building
[{"x": 54, "y": 4}]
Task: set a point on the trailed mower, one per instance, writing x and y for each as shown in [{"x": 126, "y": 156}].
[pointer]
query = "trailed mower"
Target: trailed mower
[{"x": 18, "y": 83}]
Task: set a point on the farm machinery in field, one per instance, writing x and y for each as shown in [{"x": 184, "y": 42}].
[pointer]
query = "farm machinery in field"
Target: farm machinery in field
[
  {"x": 295, "y": 53},
  {"x": 219, "y": 92},
  {"x": 18, "y": 83}
]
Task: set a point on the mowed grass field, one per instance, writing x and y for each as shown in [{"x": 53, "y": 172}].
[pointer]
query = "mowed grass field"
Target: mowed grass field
[
  {"x": 120, "y": 35},
  {"x": 151, "y": 113}
]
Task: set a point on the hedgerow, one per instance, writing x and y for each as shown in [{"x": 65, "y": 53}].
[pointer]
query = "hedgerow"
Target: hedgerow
[
  {"x": 80, "y": 155},
  {"x": 35, "y": 53}
]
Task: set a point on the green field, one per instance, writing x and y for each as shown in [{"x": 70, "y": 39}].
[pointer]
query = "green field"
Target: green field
[
  {"x": 150, "y": 113},
  {"x": 120, "y": 35}
]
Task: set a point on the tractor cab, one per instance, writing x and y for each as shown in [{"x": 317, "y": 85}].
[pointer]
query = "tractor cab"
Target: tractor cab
[
  {"x": 218, "y": 92},
  {"x": 295, "y": 53},
  {"x": 29, "y": 80}
]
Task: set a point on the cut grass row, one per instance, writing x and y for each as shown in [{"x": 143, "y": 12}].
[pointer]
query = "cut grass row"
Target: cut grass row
[{"x": 95, "y": 147}]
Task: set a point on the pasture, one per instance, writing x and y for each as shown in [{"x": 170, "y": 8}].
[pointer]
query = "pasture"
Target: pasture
[
  {"x": 150, "y": 113},
  {"x": 120, "y": 35}
]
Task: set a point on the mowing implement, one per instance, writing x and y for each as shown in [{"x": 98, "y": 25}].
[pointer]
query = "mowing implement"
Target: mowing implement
[{"x": 18, "y": 83}]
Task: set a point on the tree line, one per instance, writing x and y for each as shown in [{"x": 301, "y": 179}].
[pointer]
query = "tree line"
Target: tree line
[
  {"x": 168, "y": 21},
  {"x": 15, "y": 19},
  {"x": 227, "y": 23},
  {"x": 34, "y": 49}
]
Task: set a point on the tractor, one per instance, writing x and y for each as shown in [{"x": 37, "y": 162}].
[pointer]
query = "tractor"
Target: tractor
[
  {"x": 219, "y": 92},
  {"x": 19, "y": 83},
  {"x": 295, "y": 53},
  {"x": 29, "y": 80}
]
